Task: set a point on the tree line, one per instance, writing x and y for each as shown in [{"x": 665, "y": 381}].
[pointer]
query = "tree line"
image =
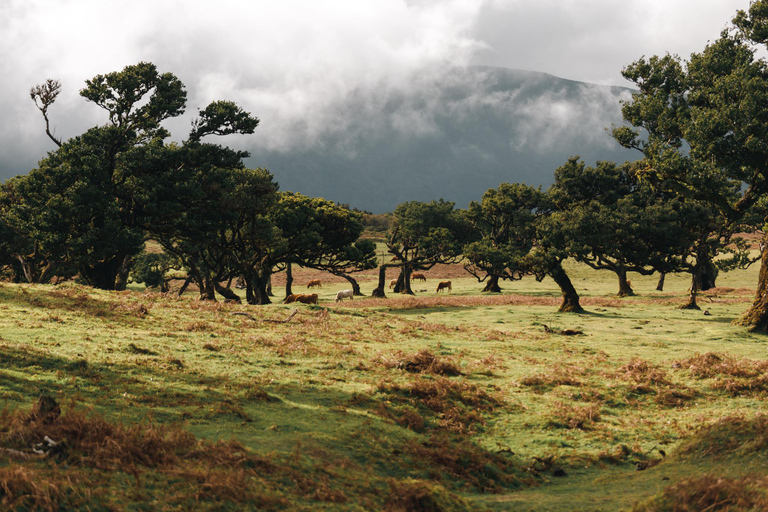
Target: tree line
[{"x": 700, "y": 125}]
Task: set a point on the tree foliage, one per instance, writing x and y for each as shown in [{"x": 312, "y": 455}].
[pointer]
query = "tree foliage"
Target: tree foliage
[
  {"x": 702, "y": 125},
  {"x": 505, "y": 221},
  {"x": 420, "y": 236}
]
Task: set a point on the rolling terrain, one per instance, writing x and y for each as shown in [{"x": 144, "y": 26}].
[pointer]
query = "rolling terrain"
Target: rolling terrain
[{"x": 458, "y": 402}]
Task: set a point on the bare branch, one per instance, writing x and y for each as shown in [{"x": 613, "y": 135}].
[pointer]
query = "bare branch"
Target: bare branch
[{"x": 44, "y": 95}]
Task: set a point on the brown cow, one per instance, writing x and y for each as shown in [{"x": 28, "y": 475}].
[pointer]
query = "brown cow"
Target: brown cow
[
  {"x": 314, "y": 282},
  {"x": 442, "y": 286},
  {"x": 301, "y": 297},
  {"x": 417, "y": 275},
  {"x": 307, "y": 298}
]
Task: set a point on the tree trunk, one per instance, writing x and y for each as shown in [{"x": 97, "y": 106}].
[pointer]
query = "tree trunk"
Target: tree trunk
[
  {"x": 353, "y": 282},
  {"x": 207, "y": 290},
  {"x": 492, "y": 285},
  {"x": 102, "y": 275},
  {"x": 184, "y": 286},
  {"x": 660, "y": 285},
  {"x": 404, "y": 280},
  {"x": 269, "y": 286},
  {"x": 694, "y": 290},
  {"x": 288, "y": 280},
  {"x": 708, "y": 273},
  {"x": 756, "y": 318},
  {"x": 625, "y": 289},
  {"x": 121, "y": 282},
  {"x": 570, "y": 297},
  {"x": 256, "y": 287},
  {"x": 227, "y": 293},
  {"x": 379, "y": 290}
]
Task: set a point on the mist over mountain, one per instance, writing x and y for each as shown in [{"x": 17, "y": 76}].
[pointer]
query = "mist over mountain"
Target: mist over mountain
[{"x": 449, "y": 135}]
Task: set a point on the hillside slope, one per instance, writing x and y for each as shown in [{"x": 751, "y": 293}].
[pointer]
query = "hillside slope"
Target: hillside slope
[{"x": 451, "y": 135}]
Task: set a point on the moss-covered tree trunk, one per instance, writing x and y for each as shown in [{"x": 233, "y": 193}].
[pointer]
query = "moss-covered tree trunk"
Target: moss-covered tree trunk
[
  {"x": 570, "y": 302},
  {"x": 625, "y": 289},
  {"x": 492, "y": 285},
  {"x": 756, "y": 319}
]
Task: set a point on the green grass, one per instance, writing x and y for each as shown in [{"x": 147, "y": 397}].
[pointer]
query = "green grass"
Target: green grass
[{"x": 458, "y": 402}]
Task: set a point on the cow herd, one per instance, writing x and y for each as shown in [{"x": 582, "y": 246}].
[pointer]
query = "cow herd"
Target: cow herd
[{"x": 306, "y": 298}]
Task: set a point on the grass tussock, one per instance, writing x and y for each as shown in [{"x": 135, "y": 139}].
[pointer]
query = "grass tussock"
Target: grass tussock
[
  {"x": 422, "y": 496},
  {"x": 731, "y": 435},
  {"x": 423, "y": 361},
  {"x": 733, "y": 375},
  {"x": 88, "y": 445},
  {"x": 710, "y": 493},
  {"x": 645, "y": 378},
  {"x": 449, "y": 458},
  {"x": 556, "y": 375},
  {"x": 440, "y": 404},
  {"x": 572, "y": 416}
]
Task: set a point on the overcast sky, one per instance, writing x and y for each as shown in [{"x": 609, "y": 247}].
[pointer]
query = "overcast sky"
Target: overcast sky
[{"x": 292, "y": 62}]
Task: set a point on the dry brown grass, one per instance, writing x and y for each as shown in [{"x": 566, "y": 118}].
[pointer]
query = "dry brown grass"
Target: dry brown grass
[
  {"x": 428, "y": 302},
  {"x": 582, "y": 417},
  {"x": 711, "y": 493},
  {"x": 736, "y": 434},
  {"x": 645, "y": 378},
  {"x": 423, "y": 361},
  {"x": 734, "y": 376},
  {"x": 556, "y": 375},
  {"x": 442, "y": 404},
  {"x": 87, "y": 442},
  {"x": 445, "y": 456}
]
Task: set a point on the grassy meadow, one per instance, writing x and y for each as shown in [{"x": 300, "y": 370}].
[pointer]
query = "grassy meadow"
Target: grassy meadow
[{"x": 456, "y": 401}]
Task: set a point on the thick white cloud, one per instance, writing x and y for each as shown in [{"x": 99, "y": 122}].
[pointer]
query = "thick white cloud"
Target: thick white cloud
[{"x": 296, "y": 63}]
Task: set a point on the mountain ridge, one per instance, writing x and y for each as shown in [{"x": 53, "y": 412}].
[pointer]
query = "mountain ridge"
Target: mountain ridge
[{"x": 452, "y": 135}]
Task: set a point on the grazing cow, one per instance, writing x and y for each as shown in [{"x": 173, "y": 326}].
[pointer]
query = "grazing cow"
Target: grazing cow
[
  {"x": 416, "y": 276},
  {"x": 392, "y": 283},
  {"x": 442, "y": 286},
  {"x": 345, "y": 294},
  {"x": 313, "y": 283}
]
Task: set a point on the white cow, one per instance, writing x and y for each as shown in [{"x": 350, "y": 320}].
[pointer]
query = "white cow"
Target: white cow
[{"x": 344, "y": 294}]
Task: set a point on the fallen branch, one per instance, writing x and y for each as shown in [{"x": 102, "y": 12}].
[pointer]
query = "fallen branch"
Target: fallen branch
[
  {"x": 290, "y": 317},
  {"x": 17, "y": 455}
]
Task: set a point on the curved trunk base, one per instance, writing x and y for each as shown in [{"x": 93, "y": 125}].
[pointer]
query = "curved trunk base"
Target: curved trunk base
[
  {"x": 756, "y": 319},
  {"x": 492, "y": 286}
]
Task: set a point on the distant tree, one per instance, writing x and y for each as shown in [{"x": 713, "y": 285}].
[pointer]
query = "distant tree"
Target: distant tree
[
  {"x": 152, "y": 270},
  {"x": 611, "y": 220},
  {"x": 420, "y": 236},
  {"x": 319, "y": 234},
  {"x": 705, "y": 126},
  {"x": 505, "y": 221}
]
